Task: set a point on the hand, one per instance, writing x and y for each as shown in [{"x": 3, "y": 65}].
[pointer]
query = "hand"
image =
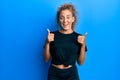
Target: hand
[
  {"x": 81, "y": 39},
  {"x": 50, "y": 36}
]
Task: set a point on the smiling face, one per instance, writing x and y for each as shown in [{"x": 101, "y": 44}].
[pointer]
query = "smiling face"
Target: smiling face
[{"x": 66, "y": 19}]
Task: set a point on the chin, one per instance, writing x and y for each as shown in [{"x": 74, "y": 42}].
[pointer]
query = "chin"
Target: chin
[{"x": 66, "y": 28}]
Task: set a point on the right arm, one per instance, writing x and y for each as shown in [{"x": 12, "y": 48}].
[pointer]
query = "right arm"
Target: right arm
[
  {"x": 47, "y": 51},
  {"x": 50, "y": 37}
]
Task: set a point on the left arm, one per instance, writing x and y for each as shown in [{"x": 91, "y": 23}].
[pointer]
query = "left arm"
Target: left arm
[{"x": 81, "y": 56}]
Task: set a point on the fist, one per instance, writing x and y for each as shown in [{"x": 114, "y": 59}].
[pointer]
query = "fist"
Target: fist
[
  {"x": 50, "y": 36},
  {"x": 81, "y": 39}
]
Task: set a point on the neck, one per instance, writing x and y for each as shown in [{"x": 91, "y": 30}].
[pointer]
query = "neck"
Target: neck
[{"x": 66, "y": 31}]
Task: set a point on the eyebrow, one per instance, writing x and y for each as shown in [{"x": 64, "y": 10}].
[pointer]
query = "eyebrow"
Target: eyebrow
[
  {"x": 68, "y": 15},
  {"x": 63, "y": 16}
]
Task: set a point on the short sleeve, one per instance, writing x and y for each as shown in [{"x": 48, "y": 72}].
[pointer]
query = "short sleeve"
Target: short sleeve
[{"x": 86, "y": 48}]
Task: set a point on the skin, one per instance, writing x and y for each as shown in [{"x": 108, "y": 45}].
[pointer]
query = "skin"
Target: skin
[{"x": 66, "y": 19}]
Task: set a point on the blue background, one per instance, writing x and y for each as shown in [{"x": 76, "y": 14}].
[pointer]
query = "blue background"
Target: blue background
[{"x": 23, "y": 25}]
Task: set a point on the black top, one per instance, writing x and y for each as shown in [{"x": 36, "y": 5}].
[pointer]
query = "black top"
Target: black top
[{"x": 65, "y": 48}]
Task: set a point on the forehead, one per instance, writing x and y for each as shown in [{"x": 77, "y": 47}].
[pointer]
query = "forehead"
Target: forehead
[{"x": 65, "y": 12}]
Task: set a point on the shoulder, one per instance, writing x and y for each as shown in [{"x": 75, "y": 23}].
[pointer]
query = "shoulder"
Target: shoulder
[
  {"x": 77, "y": 34},
  {"x": 54, "y": 32}
]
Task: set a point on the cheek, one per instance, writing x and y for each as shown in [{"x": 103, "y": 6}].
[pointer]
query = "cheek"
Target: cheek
[
  {"x": 71, "y": 21},
  {"x": 60, "y": 20}
]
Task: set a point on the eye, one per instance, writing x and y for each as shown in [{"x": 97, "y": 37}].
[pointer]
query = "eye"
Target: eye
[
  {"x": 68, "y": 17},
  {"x": 61, "y": 18}
]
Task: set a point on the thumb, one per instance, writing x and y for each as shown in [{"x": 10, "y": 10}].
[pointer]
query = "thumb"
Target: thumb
[
  {"x": 85, "y": 34},
  {"x": 48, "y": 31}
]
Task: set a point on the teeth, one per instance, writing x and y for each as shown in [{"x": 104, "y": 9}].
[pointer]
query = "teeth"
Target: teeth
[{"x": 65, "y": 24}]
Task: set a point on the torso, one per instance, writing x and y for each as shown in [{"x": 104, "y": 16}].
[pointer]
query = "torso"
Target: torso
[
  {"x": 61, "y": 66},
  {"x": 64, "y": 50}
]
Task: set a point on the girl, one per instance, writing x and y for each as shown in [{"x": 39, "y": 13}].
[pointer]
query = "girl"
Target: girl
[{"x": 65, "y": 46}]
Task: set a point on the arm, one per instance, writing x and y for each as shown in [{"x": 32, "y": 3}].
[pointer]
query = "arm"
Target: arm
[
  {"x": 81, "y": 56},
  {"x": 50, "y": 37},
  {"x": 47, "y": 52}
]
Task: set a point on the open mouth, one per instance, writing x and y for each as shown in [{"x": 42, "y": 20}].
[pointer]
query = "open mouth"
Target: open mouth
[{"x": 65, "y": 24}]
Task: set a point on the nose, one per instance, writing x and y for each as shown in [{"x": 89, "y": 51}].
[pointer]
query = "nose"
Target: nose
[{"x": 65, "y": 20}]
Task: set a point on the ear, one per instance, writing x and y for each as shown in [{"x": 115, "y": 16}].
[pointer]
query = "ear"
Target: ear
[{"x": 73, "y": 19}]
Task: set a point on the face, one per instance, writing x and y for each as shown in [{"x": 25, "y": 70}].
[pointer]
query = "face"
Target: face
[{"x": 66, "y": 19}]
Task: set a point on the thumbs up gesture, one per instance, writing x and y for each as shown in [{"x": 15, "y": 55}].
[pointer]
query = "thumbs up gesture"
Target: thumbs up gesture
[
  {"x": 50, "y": 36},
  {"x": 81, "y": 39}
]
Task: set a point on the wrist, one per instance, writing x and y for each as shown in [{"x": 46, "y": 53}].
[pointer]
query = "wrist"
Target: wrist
[
  {"x": 47, "y": 42},
  {"x": 83, "y": 44}
]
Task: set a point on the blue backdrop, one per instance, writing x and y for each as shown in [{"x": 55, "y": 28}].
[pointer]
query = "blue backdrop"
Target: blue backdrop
[{"x": 23, "y": 25}]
